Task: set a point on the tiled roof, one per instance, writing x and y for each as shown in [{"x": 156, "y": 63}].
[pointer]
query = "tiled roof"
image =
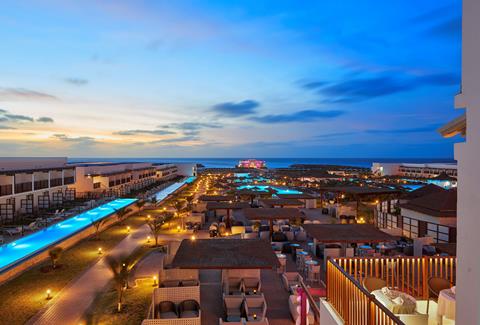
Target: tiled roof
[{"x": 439, "y": 204}]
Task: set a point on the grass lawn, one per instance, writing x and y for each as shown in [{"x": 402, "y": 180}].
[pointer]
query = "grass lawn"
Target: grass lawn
[
  {"x": 24, "y": 296},
  {"x": 136, "y": 301}
]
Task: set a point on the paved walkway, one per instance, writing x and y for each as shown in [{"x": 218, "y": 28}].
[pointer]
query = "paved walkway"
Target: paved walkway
[{"x": 70, "y": 305}]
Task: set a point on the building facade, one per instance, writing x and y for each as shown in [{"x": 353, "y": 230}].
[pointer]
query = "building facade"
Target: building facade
[
  {"x": 30, "y": 185},
  {"x": 414, "y": 170}
]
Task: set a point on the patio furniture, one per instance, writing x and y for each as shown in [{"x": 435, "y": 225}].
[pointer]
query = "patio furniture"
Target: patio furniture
[
  {"x": 372, "y": 283},
  {"x": 233, "y": 306},
  {"x": 446, "y": 304},
  {"x": 435, "y": 285},
  {"x": 289, "y": 234},
  {"x": 233, "y": 321},
  {"x": 189, "y": 283},
  {"x": 396, "y": 301},
  {"x": 167, "y": 310},
  {"x": 313, "y": 271},
  {"x": 188, "y": 309},
  {"x": 251, "y": 285},
  {"x": 233, "y": 286},
  {"x": 169, "y": 284},
  {"x": 301, "y": 236},
  {"x": 258, "y": 322},
  {"x": 255, "y": 307},
  {"x": 290, "y": 279}
]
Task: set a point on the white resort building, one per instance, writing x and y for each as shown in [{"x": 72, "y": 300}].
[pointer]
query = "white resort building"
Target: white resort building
[
  {"x": 31, "y": 184},
  {"x": 430, "y": 170}
]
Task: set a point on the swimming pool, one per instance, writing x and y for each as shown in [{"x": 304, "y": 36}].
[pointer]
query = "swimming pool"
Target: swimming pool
[
  {"x": 264, "y": 188},
  {"x": 24, "y": 247},
  {"x": 190, "y": 179}
]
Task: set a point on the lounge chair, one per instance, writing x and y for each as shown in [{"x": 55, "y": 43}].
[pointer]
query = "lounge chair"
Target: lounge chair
[
  {"x": 233, "y": 286},
  {"x": 240, "y": 322},
  {"x": 372, "y": 284},
  {"x": 12, "y": 231},
  {"x": 435, "y": 285},
  {"x": 233, "y": 305},
  {"x": 258, "y": 322},
  {"x": 169, "y": 284},
  {"x": 167, "y": 310},
  {"x": 189, "y": 309},
  {"x": 251, "y": 285},
  {"x": 291, "y": 279},
  {"x": 255, "y": 307}
]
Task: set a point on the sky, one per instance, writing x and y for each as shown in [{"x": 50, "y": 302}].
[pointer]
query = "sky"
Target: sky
[{"x": 228, "y": 78}]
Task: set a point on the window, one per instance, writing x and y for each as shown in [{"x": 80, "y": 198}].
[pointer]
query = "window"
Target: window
[
  {"x": 439, "y": 233},
  {"x": 410, "y": 227},
  {"x": 96, "y": 185}
]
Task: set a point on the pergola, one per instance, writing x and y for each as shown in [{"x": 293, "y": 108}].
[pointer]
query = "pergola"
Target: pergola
[
  {"x": 271, "y": 214},
  {"x": 346, "y": 234},
  {"x": 225, "y": 254},
  {"x": 270, "y": 203},
  {"x": 350, "y": 233},
  {"x": 228, "y": 206},
  {"x": 216, "y": 198},
  {"x": 360, "y": 192}
]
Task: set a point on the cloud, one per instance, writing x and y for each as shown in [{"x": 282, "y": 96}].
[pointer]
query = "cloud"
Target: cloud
[
  {"x": 74, "y": 140},
  {"x": 335, "y": 135},
  {"x": 2, "y": 111},
  {"x": 45, "y": 119},
  {"x": 231, "y": 109},
  {"x": 76, "y": 81},
  {"x": 18, "y": 118},
  {"x": 5, "y": 127},
  {"x": 139, "y": 131},
  {"x": 356, "y": 89},
  {"x": 301, "y": 116},
  {"x": 404, "y": 130},
  {"x": 22, "y": 94},
  {"x": 154, "y": 45},
  {"x": 191, "y": 128}
]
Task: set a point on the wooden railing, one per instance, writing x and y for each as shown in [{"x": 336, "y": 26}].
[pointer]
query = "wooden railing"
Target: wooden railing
[
  {"x": 407, "y": 274},
  {"x": 313, "y": 305},
  {"x": 354, "y": 303}
]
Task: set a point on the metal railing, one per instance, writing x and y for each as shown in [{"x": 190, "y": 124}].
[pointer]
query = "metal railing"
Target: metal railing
[{"x": 354, "y": 303}]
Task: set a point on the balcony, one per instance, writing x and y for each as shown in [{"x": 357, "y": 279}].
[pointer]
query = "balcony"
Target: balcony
[
  {"x": 6, "y": 190},
  {"x": 38, "y": 185},
  {"x": 23, "y": 187},
  {"x": 354, "y": 304},
  {"x": 55, "y": 182},
  {"x": 68, "y": 180}
]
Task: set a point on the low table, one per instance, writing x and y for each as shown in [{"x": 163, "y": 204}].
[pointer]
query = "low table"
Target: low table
[
  {"x": 233, "y": 318},
  {"x": 408, "y": 307}
]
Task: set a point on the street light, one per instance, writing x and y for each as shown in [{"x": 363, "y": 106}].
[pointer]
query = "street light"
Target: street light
[{"x": 49, "y": 294}]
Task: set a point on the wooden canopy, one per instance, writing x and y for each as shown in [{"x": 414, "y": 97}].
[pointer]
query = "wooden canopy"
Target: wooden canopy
[
  {"x": 216, "y": 198},
  {"x": 281, "y": 202},
  {"x": 360, "y": 190},
  {"x": 227, "y": 205},
  {"x": 272, "y": 213},
  {"x": 349, "y": 233},
  {"x": 225, "y": 254}
]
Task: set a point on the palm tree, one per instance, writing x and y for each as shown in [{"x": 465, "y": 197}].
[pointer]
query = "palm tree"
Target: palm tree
[
  {"x": 55, "y": 253},
  {"x": 120, "y": 268},
  {"x": 179, "y": 206},
  {"x": 153, "y": 200},
  {"x": 140, "y": 204},
  {"x": 122, "y": 213},
  {"x": 97, "y": 224},
  {"x": 155, "y": 224}
]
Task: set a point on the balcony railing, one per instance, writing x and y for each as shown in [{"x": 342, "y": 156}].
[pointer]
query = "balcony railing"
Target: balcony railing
[
  {"x": 353, "y": 302},
  {"x": 408, "y": 274}
]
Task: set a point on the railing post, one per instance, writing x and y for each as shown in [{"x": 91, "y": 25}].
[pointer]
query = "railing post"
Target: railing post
[
  {"x": 371, "y": 310},
  {"x": 424, "y": 277}
]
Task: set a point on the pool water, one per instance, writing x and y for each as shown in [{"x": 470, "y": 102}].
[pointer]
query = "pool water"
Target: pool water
[
  {"x": 26, "y": 246},
  {"x": 37, "y": 241},
  {"x": 190, "y": 179},
  {"x": 412, "y": 187},
  {"x": 264, "y": 188}
]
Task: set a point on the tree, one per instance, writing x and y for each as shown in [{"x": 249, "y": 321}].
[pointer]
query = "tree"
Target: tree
[
  {"x": 54, "y": 254},
  {"x": 140, "y": 204},
  {"x": 153, "y": 200},
  {"x": 122, "y": 214},
  {"x": 96, "y": 225},
  {"x": 120, "y": 268},
  {"x": 179, "y": 205},
  {"x": 155, "y": 224}
]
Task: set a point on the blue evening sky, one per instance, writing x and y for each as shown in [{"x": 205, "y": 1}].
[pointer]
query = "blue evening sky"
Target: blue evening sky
[{"x": 228, "y": 78}]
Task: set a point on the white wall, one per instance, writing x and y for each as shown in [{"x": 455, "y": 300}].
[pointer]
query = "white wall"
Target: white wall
[{"x": 468, "y": 157}]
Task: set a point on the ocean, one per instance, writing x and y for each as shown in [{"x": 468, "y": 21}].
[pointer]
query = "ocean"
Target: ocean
[{"x": 271, "y": 162}]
